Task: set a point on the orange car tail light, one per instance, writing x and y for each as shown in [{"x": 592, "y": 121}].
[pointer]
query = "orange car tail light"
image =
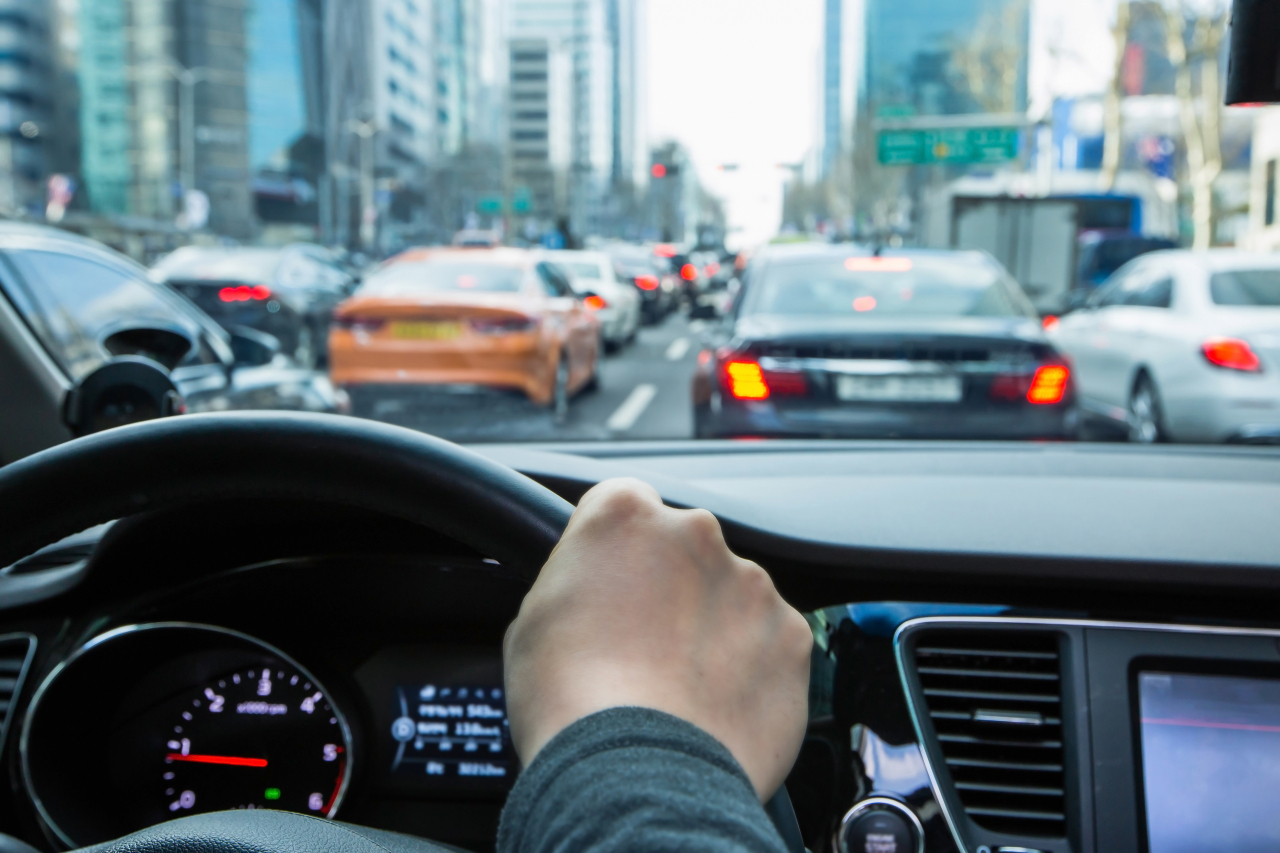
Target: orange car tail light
[
  {"x": 647, "y": 282},
  {"x": 359, "y": 324},
  {"x": 502, "y": 325},
  {"x": 688, "y": 272},
  {"x": 595, "y": 303},
  {"x": 1231, "y": 353}
]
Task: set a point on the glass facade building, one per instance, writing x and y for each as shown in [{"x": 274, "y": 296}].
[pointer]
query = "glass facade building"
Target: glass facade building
[{"x": 962, "y": 56}]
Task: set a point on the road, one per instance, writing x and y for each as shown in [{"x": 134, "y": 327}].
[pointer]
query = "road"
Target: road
[{"x": 643, "y": 394}]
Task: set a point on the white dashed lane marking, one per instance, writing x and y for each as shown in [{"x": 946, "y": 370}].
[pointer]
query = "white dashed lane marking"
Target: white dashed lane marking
[
  {"x": 679, "y": 347},
  {"x": 632, "y": 408}
]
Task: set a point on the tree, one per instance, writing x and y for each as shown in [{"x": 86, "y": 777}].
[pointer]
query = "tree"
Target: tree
[
  {"x": 1200, "y": 113},
  {"x": 1112, "y": 130}
]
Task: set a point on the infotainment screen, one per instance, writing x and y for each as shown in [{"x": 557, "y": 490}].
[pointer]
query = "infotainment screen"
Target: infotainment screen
[{"x": 1210, "y": 762}]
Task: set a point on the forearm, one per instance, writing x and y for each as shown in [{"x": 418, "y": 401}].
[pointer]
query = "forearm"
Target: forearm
[{"x": 637, "y": 780}]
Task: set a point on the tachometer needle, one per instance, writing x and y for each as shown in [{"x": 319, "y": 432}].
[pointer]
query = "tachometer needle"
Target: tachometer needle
[{"x": 233, "y": 760}]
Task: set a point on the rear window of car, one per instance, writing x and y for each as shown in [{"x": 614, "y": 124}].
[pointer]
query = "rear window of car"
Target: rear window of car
[
  {"x": 580, "y": 270},
  {"x": 883, "y": 286},
  {"x": 251, "y": 266},
  {"x": 1246, "y": 287},
  {"x": 401, "y": 279}
]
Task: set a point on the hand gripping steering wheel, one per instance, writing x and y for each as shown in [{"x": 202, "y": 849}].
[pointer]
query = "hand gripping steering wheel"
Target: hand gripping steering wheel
[{"x": 273, "y": 455}]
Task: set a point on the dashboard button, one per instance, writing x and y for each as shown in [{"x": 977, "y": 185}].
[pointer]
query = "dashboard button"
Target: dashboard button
[{"x": 880, "y": 825}]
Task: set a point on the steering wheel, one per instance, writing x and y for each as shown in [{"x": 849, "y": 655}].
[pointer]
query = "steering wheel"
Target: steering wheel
[{"x": 269, "y": 455}]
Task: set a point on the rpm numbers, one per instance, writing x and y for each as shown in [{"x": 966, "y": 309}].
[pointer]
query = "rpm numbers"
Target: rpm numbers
[{"x": 265, "y": 737}]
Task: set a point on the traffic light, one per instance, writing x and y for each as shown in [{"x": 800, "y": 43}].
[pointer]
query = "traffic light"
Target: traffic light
[{"x": 664, "y": 170}]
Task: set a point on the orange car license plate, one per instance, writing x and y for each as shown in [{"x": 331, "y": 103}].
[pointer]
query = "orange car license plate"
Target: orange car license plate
[{"x": 426, "y": 331}]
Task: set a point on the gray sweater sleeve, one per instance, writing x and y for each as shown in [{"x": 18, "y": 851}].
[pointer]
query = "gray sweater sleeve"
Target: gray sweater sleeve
[{"x": 635, "y": 780}]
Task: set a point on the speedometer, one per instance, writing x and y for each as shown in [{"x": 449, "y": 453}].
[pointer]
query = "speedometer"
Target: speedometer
[{"x": 260, "y": 737}]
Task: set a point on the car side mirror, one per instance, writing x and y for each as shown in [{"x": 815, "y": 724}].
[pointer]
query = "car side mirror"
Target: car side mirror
[
  {"x": 125, "y": 390},
  {"x": 251, "y": 347}
]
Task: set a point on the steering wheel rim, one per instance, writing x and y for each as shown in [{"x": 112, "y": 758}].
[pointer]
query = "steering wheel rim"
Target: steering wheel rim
[
  {"x": 332, "y": 459},
  {"x": 263, "y": 455}
]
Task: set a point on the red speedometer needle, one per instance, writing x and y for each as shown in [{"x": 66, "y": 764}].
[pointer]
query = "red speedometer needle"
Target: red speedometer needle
[{"x": 233, "y": 760}]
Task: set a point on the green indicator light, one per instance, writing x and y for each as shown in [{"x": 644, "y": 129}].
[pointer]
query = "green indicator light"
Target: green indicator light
[{"x": 272, "y": 794}]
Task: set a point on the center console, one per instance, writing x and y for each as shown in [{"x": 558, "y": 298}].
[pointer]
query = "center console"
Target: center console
[{"x": 984, "y": 731}]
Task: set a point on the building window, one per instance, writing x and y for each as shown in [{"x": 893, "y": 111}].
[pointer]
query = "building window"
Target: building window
[
  {"x": 529, "y": 135},
  {"x": 399, "y": 124},
  {"x": 534, "y": 115},
  {"x": 1269, "y": 208},
  {"x": 540, "y": 76}
]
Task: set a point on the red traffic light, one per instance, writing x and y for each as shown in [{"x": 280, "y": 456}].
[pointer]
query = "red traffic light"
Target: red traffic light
[{"x": 658, "y": 170}]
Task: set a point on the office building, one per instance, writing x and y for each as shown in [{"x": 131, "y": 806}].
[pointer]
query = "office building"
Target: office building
[
  {"x": 26, "y": 82},
  {"x": 963, "y": 56},
  {"x": 838, "y": 80}
]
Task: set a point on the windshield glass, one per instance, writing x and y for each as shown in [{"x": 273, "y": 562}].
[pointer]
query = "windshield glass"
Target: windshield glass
[
  {"x": 564, "y": 220},
  {"x": 883, "y": 286},
  {"x": 1246, "y": 287}
]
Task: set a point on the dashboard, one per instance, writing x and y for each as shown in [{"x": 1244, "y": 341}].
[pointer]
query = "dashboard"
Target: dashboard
[{"x": 1061, "y": 680}]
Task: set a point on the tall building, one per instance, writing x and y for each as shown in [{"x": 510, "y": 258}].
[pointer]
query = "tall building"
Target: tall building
[
  {"x": 963, "y": 56},
  {"x": 458, "y": 97},
  {"x": 577, "y": 104},
  {"x": 838, "y": 80},
  {"x": 26, "y": 79},
  {"x": 285, "y": 95}
]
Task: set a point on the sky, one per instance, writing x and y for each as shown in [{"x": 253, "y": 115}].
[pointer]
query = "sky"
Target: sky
[{"x": 736, "y": 82}]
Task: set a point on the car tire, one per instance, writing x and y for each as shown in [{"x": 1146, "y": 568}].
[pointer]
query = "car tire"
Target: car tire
[{"x": 1146, "y": 416}]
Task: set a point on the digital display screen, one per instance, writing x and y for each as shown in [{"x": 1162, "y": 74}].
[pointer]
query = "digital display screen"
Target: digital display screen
[
  {"x": 448, "y": 732},
  {"x": 1210, "y": 762}
]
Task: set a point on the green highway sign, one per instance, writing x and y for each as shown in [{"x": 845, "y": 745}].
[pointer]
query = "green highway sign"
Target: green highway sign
[
  {"x": 957, "y": 145},
  {"x": 489, "y": 204},
  {"x": 523, "y": 201}
]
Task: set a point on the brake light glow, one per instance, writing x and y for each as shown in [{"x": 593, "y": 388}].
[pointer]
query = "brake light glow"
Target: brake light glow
[
  {"x": 359, "y": 324},
  {"x": 875, "y": 263},
  {"x": 647, "y": 282},
  {"x": 245, "y": 293},
  {"x": 688, "y": 272},
  {"x": 1231, "y": 353},
  {"x": 745, "y": 380},
  {"x": 712, "y": 268},
  {"x": 1049, "y": 321},
  {"x": 864, "y": 303},
  {"x": 664, "y": 250},
  {"x": 1049, "y": 385},
  {"x": 595, "y": 303}
]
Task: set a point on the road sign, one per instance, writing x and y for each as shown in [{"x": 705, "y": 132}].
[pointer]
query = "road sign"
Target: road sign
[
  {"x": 489, "y": 204},
  {"x": 523, "y": 201},
  {"x": 951, "y": 145}
]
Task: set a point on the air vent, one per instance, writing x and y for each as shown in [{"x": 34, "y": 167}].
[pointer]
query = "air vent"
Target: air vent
[
  {"x": 15, "y": 655},
  {"x": 994, "y": 698}
]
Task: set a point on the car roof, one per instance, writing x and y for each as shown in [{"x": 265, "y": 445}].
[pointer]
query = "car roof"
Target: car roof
[
  {"x": 500, "y": 256},
  {"x": 1215, "y": 260},
  {"x": 804, "y": 251}
]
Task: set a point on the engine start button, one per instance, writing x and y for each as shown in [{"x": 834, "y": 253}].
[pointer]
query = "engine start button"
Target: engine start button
[{"x": 880, "y": 825}]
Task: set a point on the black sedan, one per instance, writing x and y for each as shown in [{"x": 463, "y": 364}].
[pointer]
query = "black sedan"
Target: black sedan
[
  {"x": 288, "y": 292},
  {"x": 651, "y": 278},
  {"x": 834, "y": 341}
]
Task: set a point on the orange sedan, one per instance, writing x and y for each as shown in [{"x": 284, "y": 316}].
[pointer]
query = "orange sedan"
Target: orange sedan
[{"x": 490, "y": 317}]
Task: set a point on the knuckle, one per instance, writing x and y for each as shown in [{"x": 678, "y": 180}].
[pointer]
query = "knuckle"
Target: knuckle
[
  {"x": 704, "y": 527},
  {"x": 620, "y": 498}
]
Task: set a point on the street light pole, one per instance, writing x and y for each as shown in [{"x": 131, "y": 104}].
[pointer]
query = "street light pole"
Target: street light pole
[{"x": 187, "y": 79}]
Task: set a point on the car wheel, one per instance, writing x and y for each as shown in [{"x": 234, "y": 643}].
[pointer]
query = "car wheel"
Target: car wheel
[
  {"x": 1146, "y": 418},
  {"x": 560, "y": 392}
]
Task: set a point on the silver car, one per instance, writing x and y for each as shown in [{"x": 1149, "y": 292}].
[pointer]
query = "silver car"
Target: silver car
[
  {"x": 617, "y": 305},
  {"x": 1181, "y": 346}
]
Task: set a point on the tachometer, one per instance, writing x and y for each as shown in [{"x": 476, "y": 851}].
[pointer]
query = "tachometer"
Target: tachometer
[{"x": 260, "y": 737}]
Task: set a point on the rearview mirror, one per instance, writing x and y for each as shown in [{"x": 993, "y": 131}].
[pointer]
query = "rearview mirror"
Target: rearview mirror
[
  {"x": 1253, "y": 69},
  {"x": 251, "y": 347},
  {"x": 125, "y": 390}
]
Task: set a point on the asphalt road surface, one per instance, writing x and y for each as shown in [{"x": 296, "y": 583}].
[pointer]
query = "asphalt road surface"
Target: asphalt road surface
[{"x": 643, "y": 394}]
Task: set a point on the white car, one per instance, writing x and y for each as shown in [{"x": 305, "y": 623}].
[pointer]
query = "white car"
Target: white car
[
  {"x": 1181, "y": 346},
  {"x": 617, "y": 305}
]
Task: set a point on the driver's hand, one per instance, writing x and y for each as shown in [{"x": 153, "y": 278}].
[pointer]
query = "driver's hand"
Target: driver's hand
[{"x": 644, "y": 605}]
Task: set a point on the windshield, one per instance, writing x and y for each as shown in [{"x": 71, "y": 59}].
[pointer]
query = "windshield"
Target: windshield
[
  {"x": 607, "y": 220},
  {"x": 884, "y": 286}
]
